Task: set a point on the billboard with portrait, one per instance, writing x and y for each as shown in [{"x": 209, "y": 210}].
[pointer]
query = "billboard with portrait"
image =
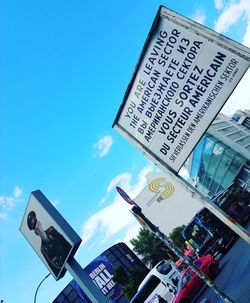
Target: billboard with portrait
[
  {"x": 49, "y": 234},
  {"x": 184, "y": 76}
]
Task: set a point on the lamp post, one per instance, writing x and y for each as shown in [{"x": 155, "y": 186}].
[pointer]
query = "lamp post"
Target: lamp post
[{"x": 39, "y": 286}]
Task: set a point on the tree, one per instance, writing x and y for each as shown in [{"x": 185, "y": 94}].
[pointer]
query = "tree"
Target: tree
[
  {"x": 151, "y": 249},
  {"x": 176, "y": 237},
  {"x": 129, "y": 282}
]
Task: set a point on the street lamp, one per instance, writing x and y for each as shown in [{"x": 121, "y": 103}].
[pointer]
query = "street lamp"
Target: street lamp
[{"x": 39, "y": 286}]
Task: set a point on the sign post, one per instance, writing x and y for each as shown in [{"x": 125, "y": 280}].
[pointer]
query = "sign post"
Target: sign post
[
  {"x": 85, "y": 282},
  {"x": 55, "y": 242}
]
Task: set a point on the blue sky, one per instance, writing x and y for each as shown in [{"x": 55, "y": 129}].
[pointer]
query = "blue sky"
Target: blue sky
[{"x": 65, "y": 66}]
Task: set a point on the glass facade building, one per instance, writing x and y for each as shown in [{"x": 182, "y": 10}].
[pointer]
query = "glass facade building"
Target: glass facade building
[
  {"x": 101, "y": 270},
  {"x": 214, "y": 165},
  {"x": 72, "y": 293},
  {"x": 222, "y": 154}
]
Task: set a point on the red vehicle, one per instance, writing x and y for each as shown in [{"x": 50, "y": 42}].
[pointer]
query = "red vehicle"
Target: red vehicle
[{"x": 190, "y": 284}]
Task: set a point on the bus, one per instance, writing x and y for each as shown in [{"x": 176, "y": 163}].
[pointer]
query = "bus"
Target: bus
[
  {"x": 209, "y": 235},
  {"x": 235, "y": 201},
  {"x": 161, "y": 281}
]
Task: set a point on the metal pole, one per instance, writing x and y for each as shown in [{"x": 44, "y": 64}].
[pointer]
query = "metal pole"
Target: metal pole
[
  {"x": 154, "y": 229},
  {"x": 84, "y": 281},
  {"x": 38, "y": 287}
]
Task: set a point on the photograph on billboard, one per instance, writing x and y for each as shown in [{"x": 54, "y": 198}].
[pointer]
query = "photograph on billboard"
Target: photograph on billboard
[
  {"x": 185, "y": 74},
  {"x": 49, "y": 234}
]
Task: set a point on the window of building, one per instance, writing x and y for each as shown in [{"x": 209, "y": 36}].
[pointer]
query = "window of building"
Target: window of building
[
  {"x": 67, "y": 289},
  {"x": 236, "y": 117},
  {"x": 197, "y": 154},
  {"x": 72, "y": 296},
  {"x": 220, "y": 124},
  {"x": 246, "y": 123},
  {"x": 117, "y": 253},
  {"x": 60, "y": 298},
  {"x": 228, "y": 129},
  {"x": 244, "y": 141},
  {"x": 236, "y": 135},
  {"x": 125, "y": 262},
  {"x": 218, "y": 167}
]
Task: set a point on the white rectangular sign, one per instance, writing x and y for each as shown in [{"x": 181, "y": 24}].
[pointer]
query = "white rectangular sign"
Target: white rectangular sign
[
  {"x": 166, "y": 203},
  {"x": 185, "y": 74}
]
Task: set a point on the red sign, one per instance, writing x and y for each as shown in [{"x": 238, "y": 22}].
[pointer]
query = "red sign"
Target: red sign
[{"x": 125, "y": 196}]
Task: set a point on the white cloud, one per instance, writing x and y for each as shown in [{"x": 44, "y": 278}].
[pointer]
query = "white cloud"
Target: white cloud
[
  {"x": 17, "y": 192},
  {"x": 131, "y": 232},
  {"x": 123, "y": 180},
  {"x": 246, "y": 38},
  {"x": 55, "y": 203},
  {"x": 109, "y": 221},
  {"x": 231, "y": 14},
  {"x": 7, "y": 203},
  {"x": 184, "y": 173},
  {"x": 199, "y": 16},
  {"x": 102, "y": 201},
  {"x": 218, "y": 4},
  {"x": 103, "y": 146},
  {"x": 3, "y": 215},
  {"x": 116, "y": 217},
  {"x": 240, "y": 98}
]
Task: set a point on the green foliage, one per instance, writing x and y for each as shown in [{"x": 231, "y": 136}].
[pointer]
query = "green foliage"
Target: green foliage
[
  {"x": 176, "y": 237},
  {"x": 150, "y": 249},
  {"x": 120, "y": 276},
  {"x": 129, "y": 282}
]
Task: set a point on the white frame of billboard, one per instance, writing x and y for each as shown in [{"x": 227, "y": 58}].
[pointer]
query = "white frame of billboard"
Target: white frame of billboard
[
  {"x": 156, "y": 142},
  {"x": 51, "y": 217}
]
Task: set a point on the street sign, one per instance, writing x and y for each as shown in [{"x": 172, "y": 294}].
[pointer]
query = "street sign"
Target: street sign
[
  {"x": 185, "y": 74},
  {"x": 124, "y": 195}
]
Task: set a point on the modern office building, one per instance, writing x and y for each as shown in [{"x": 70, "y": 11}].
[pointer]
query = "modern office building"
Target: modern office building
[
  {"x": 101, "y": 271},
  {"x": 221, "y": 157},
  {"x": 242, "y": 117}
]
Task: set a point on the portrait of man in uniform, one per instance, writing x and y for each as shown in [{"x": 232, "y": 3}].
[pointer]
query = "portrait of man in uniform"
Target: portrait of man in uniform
[
  {"x": 54, "y": 247},
  {"x": 49, "y": 234}
]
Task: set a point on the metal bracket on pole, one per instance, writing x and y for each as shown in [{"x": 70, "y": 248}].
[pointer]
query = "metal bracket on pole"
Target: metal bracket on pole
[{"x": 84, "y": 281}]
